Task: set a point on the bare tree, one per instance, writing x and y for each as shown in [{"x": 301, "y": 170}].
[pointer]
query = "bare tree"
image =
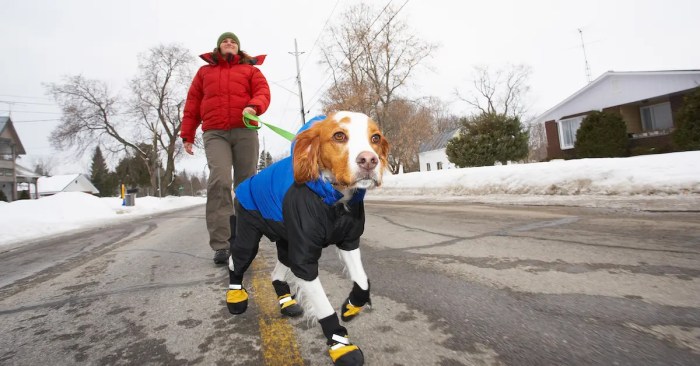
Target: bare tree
[
  {"x": 414, "y": 129},
  {"x": 151, "y": 116},
  {"x": 537, "y": 143},
  {"x": 371, "y": 56},
  {"x": 43, "y": 165},
  {"x": 499, "y": 92},
  {"x": 158, "y": 97}
]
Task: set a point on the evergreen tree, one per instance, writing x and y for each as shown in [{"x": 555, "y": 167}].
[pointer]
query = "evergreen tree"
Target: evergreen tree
[
  {"x": 133, "y": 172},
  {"x": 601, "y": 135},
  {"x": 265, "y": 160},
  {"x": 261, "y": 162},
  {"x": 100, "y": 175},
  {"x": 3, "y": 197},
  {"x": 687, "y": 132},
  {"x": 487, "y": 139}
]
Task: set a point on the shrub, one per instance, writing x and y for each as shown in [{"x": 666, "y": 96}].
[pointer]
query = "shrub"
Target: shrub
[
  {"x": 3, "y": 197},
  {"x": 487, "y": 139},
  {"x": 687, "y": 133},
  {"x": 601, "y": 135}
]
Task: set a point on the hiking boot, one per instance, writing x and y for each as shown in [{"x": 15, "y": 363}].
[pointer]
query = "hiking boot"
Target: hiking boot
[{"x": 221, "y": 256}]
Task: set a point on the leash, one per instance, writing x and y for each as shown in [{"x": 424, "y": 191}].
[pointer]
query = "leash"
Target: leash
[{"x": 247, "y": 117}]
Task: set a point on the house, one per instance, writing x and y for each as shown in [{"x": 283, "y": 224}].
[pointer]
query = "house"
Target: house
[
  {"x": 432, "y": 155},
  {"x": 65, "y": 183},
  {"x": 646, "y": 100},
  {"x": 10, "y": 173}
]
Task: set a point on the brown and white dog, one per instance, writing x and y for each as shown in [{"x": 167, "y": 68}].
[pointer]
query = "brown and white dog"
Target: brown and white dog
[{"x": 305, "y": 203}]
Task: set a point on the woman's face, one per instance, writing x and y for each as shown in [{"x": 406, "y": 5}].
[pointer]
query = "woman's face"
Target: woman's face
[{"x": 228, "y": 46}]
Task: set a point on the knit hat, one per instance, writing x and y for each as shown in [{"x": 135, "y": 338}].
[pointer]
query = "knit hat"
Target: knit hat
[{"x": 227, "y": 35}]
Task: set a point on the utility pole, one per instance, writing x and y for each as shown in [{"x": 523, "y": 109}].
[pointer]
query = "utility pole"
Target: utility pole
[
  {"x": 159, "y": 193},
  {"x": 296, "y": 54},
  {"x": 585, "y": 58}
]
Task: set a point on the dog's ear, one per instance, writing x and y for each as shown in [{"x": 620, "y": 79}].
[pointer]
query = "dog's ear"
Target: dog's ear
[{"x": 306, "y": 154}]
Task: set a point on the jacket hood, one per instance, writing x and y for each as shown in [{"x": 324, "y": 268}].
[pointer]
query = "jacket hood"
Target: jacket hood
[{"x": 213, "y": 59}]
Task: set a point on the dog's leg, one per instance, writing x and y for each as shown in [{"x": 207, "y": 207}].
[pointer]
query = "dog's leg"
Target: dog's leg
[
  {"x": 359, "y": 296},
  {"x": 342, "y": 352},
  {"x": 244, "y": 248},
  {"x": 288, "y": 304}
]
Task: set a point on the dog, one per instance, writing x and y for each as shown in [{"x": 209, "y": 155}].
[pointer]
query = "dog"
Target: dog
[{"x": 303, "y": 204}]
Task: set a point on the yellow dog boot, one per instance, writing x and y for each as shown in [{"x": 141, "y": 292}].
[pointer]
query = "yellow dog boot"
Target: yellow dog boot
[
  {"x": 344, "y": 353},
  {"x": 288, "y": 305},
  {"x": 353, "y": 305},
  {"x": 236, "y": 299}
]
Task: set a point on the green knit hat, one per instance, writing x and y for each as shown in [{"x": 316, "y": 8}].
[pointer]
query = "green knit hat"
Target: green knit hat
[{"x": 227, "y": 35}]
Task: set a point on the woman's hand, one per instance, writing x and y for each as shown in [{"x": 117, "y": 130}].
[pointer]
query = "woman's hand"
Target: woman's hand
[
  {"x": 249, "y": 110},
  {"x": 188, "y": 148}
]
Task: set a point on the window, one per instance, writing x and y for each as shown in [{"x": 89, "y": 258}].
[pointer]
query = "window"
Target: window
[
  {"x": 656, "y": 117},
  {"x": 567, "y": 131},
  {"x": 427, "y": 166},
  {"x": 439, "y": 165}
]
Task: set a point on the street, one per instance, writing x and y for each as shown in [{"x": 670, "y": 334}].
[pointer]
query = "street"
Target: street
[{"x": 451, "y": 284}]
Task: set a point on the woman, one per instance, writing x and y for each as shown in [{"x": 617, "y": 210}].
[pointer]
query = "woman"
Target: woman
[{"x": 228, "y": 86}]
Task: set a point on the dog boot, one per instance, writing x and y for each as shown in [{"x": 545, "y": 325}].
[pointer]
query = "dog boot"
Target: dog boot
[
  {"x": 342, "y": 352},
  {"x": 236, "y": 299},
  {"x": 355, "y": 303},
  {"x": 288, "y": 305}
]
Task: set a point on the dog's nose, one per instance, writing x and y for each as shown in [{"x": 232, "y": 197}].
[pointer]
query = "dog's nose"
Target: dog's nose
[{"x": 367, "y": 160}]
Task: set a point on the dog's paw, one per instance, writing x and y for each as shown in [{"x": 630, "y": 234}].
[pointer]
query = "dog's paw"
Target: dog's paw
[
  {"x": 289, "y": 306},
  {"x": 348, "y": 311},
  {"x": 237, "y": 301},
  {"x": 344, "y": 353}
]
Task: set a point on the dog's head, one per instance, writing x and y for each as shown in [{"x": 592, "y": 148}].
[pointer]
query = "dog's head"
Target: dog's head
[{"x": 346, "y": 148}]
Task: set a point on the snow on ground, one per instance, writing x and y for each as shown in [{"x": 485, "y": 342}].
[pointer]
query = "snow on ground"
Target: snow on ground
[
  {"x": 24, "y": 220},
  {"x": 665, "y": 182}
]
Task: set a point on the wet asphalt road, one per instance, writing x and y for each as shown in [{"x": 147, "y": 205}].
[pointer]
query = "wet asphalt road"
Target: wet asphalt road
[{"x": 452, "y": 284}]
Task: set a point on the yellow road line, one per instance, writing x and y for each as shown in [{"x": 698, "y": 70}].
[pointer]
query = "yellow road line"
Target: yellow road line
[{"x": 279, "y": 345}]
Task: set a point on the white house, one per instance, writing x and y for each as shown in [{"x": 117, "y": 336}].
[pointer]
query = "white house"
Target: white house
[
  {"x": 646, "y": 100},
  {"x": 432, "y": 155},
  {"x": 65, "y": 183}
]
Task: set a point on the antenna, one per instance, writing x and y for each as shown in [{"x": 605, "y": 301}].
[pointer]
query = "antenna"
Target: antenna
[
  {"x": 296, "y": 54},
  {"x": 585, "y": 58}
]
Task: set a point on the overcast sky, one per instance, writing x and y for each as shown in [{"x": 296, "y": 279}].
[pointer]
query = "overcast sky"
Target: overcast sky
[{"x": 41, "y": 41}]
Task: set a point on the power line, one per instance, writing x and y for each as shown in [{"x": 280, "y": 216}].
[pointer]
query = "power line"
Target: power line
[
  {"x": 18, "y": 102},
  {"x": 15, "y": 110},
  {"x": 37, "y": 120},
  {"x": 320, "y": 32},
  {"x": 23, "y": 96}
]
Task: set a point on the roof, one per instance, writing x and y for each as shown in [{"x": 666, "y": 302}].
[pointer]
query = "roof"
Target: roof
[
  {"x": 6, "y": 124},
  {"x": 438, "y": 141},
  {"x": 615, "y": 88},
  {"x": 25, "y": 172},
  {"x": 59, "y": 183}
]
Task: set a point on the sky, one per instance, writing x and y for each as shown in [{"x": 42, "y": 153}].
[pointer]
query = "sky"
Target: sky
[
  {"x": 664, "y": 182},
  {"x": 43, "y": 41}
]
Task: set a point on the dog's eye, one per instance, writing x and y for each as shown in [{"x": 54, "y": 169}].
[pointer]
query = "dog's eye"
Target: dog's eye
[
  {"x": 339, "y": 136},
  {"x": 376, "y": 138}
]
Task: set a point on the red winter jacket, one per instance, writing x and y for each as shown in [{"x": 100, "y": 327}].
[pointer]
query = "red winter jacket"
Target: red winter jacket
[{"x": 219, "y": 93}]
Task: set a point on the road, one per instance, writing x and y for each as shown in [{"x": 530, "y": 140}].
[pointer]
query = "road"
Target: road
[{"x": 452, "y": 284}]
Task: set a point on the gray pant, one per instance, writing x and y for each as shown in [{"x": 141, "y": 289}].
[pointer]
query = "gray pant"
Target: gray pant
[{"x": 237, "y": 148}]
